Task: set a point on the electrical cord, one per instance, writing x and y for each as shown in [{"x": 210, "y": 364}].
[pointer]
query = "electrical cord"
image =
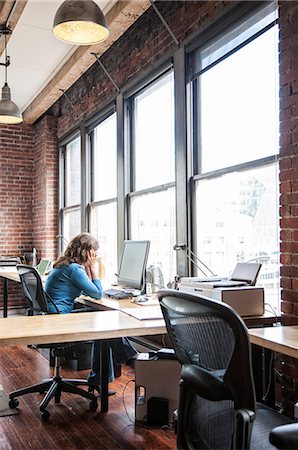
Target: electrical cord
[
  {"x": 123, "y": 400},
  {"x": 264, "y": 398},
  {"x": 273, "y": 311}
]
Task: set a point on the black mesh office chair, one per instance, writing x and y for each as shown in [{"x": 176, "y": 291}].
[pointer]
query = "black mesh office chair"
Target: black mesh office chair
[
  {"x": 38, "y": 302},
  {"x": 217, "y": 408}
]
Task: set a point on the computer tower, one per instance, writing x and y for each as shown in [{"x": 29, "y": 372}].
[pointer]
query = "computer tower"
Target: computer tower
[{"x": 156, "y": 389}]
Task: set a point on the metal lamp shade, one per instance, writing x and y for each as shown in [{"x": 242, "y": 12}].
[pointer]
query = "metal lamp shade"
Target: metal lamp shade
[
  {"x": 80, "y": 23},
  {"x": 9, "y": 111}
]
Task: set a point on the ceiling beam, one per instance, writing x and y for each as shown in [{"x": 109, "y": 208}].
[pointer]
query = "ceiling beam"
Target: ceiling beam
[
  {"x": 10, "y": 12},
  {"x": 119, "y": 19}
]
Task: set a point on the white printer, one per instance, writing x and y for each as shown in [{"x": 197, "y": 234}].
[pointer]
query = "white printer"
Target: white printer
[{"x": 238, "y": 291}]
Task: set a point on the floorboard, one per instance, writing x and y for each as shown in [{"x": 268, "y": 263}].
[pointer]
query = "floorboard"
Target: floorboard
[{"x": 71, "y": 425}]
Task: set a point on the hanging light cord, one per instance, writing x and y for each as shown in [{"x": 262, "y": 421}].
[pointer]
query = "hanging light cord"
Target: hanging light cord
[{"x": 6, "y": 62}]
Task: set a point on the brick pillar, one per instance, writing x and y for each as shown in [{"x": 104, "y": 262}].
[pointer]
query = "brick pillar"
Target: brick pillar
[
  {"x": 45, "y": 191},
  {"x": 289, "y": 159}
]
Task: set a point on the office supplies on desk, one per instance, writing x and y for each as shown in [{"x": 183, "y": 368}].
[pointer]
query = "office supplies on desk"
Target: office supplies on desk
[
  {"x": 246, "y": 300},
  {"x": 118, "y": 294},
  {"x": 244, "y": 274}
]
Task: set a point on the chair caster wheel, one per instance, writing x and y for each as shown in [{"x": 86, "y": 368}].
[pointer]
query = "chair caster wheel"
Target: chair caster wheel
[
  {"x": 45, "y": 415},
  {"x": 93, "y": 405},
  {"x": 13, "y": 403}
]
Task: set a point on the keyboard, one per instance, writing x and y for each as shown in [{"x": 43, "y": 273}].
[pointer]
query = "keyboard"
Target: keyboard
[{"x": 117, "y": 294}]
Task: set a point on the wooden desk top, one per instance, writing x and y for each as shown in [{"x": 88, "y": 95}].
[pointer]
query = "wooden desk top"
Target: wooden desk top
[
  {"x": 74, "y": 327},
  {"x": 282, "y": 339},
  {"x": 10, "y": 273}
]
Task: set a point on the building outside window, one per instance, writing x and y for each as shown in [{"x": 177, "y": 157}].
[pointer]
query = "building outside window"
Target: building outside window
[
  {"x": 70, "y": 208},
  {"x": 236, "y": 103},
  {"x": 152, "y": 200},
  {"x": 103, "y": 206}
]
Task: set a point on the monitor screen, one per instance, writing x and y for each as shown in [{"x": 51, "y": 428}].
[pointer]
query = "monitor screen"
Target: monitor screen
[
  {"x": 133, "y": 264},
  {"x": 43, "y": 266}
]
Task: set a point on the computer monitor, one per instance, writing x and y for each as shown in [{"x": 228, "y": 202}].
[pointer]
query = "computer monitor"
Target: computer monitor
[
  {"x": 132, "y": 269},
  {"x": 43, "y": 266}
]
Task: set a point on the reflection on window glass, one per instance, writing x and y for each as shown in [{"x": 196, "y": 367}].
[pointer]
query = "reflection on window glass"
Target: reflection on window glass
[
  {"x": 239, "y": 105},
  {"x": 237, "y": 221},
  {"x": 104, "y": 160},
  {"x": 71, "y": 224},
  {"x": 153, "y": 218},
  {"x": 104, "y": 226},
  {"x": 154, "y": 134},
  {"x": 73, "y": 174}
]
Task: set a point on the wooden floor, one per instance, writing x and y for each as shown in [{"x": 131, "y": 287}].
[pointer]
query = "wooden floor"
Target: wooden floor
[{"x": 71, "y": 425}]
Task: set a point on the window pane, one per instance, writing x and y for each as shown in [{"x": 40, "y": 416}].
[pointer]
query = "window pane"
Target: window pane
[
  {"x": 73, "y": 173},
  {"x": 104, "y": 227},
  {"x": 154, "y": 134},
  {"x": 71, "y": 224},
  {"x": 104, "y": 160},
  {"x": 239, "y": 105},
  {"x": 237, "y": 221},
  {"x": 153, "y": 218}
]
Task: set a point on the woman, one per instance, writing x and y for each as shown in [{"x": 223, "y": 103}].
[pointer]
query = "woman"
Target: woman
[{"x": 73, "y": 274}]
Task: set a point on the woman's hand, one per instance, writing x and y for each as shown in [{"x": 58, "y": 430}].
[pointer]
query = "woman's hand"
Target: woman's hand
[{"x": 91, "y": 264}]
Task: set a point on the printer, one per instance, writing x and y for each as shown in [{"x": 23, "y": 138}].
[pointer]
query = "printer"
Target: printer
[{"x": 238, "y": 291}]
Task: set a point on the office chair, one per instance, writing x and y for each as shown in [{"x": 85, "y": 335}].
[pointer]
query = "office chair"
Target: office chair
[
  {"x": 38, "y": 302},
  {"x": 217, "y": 407}
]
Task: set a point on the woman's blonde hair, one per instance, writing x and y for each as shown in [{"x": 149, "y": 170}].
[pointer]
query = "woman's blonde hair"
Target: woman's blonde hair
[{"x": 77, "y": 250}]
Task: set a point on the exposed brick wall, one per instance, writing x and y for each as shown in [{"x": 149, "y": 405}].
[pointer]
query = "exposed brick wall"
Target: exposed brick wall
[
  {"x": 16, "y": 186},
  {"x": 45, "y": 191},
  {"x": 288, "y": 367},
  {"x": 28, "y": 194},
  {"x": 288, "y": 12}
]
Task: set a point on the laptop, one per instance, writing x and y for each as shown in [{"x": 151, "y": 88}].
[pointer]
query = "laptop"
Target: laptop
[
  {"x": 43, "y": 266},
  {"x": 244, "y": 274}
]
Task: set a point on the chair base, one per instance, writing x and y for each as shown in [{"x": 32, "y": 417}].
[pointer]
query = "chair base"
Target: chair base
[{"x": 53, "y": 388}]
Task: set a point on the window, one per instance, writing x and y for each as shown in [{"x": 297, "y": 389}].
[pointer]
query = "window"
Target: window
[
  {"x": 71, "y": 199},
  {"x": 103, "y": 206},
  {"x": 152, "y": 202},
  {"x": 235, "y": 100}
]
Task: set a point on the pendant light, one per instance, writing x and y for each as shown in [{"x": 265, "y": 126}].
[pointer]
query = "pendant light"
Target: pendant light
[
  {"x": 80, "y": 22},
  {"x": 9, "y": 111}
]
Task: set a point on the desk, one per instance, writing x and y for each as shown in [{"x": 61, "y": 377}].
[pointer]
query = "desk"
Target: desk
[
  {"x": 282, "y": 339},
  {"x": 7, "y": 273},
  {"x": 77, "y": 327}
]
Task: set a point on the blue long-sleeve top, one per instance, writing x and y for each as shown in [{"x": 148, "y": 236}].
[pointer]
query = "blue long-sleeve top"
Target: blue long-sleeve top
[{"x": 66, "y": 283}]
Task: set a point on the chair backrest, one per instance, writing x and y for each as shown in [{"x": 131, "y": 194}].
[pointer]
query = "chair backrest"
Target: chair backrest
[
  {"x": 33, "y": 291},
  {"x": 212, "y": 344}
]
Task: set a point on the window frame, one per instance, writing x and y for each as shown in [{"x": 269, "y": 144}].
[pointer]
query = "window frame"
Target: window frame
[{"x": 62, "y": 182}]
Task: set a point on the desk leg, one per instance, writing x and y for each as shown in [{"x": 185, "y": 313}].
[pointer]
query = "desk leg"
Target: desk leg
[
  {"x": 104, "y": 375},
  {"x": 5, "y": 297}
]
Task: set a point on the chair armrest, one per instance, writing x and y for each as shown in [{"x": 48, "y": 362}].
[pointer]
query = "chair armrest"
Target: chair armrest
[
  {"x": 285, "y": 437},
  {"x": 243, "y": 428},
  {"x": 204, "y": 384}
]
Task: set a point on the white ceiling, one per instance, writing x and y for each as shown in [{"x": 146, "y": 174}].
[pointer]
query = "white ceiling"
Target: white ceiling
[{"x": 35, "y": 54}]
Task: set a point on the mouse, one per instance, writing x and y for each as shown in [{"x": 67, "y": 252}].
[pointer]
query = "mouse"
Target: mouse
[{"x": 142, "y": 299}]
